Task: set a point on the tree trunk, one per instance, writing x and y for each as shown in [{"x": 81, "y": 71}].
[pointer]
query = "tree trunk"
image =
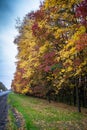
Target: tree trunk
[
  {"x": 74, "y": 96},
  {"x": 77, "y": 95}
]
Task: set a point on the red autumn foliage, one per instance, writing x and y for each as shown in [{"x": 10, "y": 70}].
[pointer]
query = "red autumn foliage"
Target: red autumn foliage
[
  {"x": 82, "y": 42},
  {"x": 81, "y": 12},
  {"x": 77, "y": 62},
  {"x": 47, "y": 61}
]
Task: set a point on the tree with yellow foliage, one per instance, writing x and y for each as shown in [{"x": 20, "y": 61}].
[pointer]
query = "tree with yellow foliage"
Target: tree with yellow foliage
[{"x": 52, "y": 48}]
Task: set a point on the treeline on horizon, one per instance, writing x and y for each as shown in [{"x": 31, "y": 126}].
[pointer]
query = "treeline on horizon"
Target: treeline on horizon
[
  {"x": 2, "y": 87},
  {"x": 52, "y": 52}
]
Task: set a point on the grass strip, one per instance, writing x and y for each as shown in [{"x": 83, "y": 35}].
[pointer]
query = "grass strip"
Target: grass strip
[{"x": 40, "y": 115}]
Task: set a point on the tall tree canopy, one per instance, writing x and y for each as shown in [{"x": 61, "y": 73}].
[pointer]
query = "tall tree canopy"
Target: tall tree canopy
[{"x": 52, "y": 47}]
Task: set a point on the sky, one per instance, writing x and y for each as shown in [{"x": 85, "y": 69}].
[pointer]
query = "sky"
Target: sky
[{"x": 10, "y": 10}]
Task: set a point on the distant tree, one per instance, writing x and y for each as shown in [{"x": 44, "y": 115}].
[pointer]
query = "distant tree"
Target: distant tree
[{"x": 2, "y": 87}]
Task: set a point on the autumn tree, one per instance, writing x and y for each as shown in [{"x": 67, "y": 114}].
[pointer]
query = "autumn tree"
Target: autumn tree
[{"x": 52, "y": 48}]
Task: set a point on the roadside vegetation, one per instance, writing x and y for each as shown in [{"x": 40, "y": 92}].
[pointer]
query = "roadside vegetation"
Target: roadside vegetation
[{"x": 39, "y": 114}]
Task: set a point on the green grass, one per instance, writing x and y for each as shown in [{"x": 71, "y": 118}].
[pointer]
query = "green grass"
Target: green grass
[{"x": 41, "y": 115}]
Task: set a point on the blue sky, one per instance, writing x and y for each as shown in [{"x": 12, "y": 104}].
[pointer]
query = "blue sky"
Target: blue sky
[{"x": 9, "y": 11}]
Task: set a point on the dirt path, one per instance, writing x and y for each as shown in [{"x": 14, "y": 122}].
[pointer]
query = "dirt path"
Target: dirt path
[
  {"x": 3, "y": 112},
  {"x": 4, "y": 120},
  {"x": 19, "y": 120}
]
